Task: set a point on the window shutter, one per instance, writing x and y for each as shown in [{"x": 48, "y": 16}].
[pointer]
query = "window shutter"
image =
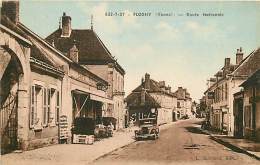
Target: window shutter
[
  {"x": 33, "y": 111},
  {"x": 48, "y": 105},
  {"x": 57, "y": 112},
  {"x": 45, "y": 111}
]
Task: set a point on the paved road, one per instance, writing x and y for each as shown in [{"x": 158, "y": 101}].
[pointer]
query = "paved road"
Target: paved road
[{"x": 182, "y": 143}]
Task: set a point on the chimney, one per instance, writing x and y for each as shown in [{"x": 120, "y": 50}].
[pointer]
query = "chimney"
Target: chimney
[
  {"x": 74, "y": 53},
  {"x": 239, "y": 56},
  {"x": 169, "y": 89},
  {"x": 147, "y": 81},
  {"x": 11, "y": 10},
  {"x": 142, "y": 96},
  {"x": 66, "y": 25},
  {"x": 227, "y": 62}
]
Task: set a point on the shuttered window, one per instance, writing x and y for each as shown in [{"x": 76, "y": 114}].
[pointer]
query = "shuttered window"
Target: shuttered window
[
  {"x": 45, "y": 107},
  {"x": 49, "y": 105},
  {"x": 33, "y": 111},
  {"x": 57, "y": 109}
]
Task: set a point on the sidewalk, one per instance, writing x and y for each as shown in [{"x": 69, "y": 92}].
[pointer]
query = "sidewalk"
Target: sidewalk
[
  {"x": 72, "y": 154},
  {"x": 248, "y": 147}
]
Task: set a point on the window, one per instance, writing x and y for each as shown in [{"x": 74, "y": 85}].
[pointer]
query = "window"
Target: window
[
  {"x": 45, "y": 107},
  {"x": 57, "y": 109},
  {"x": 226, "y": 91},
  {"x": 49, "y": 105},
  {"x": 36, "y": 106},
  {"x": 178, "y": 104},
  {"x": 33, "y": 112},
  {"x": 248, "y": 117}
]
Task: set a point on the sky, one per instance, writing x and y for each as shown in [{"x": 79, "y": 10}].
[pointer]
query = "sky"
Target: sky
[{"x": 181, "y": 50}]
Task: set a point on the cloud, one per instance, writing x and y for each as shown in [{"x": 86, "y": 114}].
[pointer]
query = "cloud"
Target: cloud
[
  {"x": 167, "y": 31},
  {"x": 129, "y": 19},
  {"x": 200, "y": 30},
  {"x": 109, "y": 24}
]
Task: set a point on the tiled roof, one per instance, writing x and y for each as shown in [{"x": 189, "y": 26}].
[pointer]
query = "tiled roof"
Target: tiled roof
[
  {"x": 36, "y": 52},
  {"x": 91, "y": 49},
  {"x": 154, "y": 87},
  {"x": 254, "y": 79},
  {"x": 134, "y": 100},
  {"x": 249, "y": 65},
  {"x": 39, "y": 54},
  {"x": 9, "y": 24}
]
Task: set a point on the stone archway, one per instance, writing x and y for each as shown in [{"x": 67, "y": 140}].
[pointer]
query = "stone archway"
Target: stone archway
[{"x": 14, "y": 86}]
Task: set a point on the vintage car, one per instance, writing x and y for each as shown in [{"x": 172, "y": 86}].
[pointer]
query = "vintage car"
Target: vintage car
[
  {"x": 147, "y": 130},
  {"x": 102, "y": 131},
  {"x": 104, "y": 127}
]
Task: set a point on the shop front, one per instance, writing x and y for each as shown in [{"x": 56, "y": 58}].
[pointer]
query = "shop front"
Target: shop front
[{"x": 88, "y": 113}]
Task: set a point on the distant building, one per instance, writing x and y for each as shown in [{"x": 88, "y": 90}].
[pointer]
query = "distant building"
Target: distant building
[
  {"x": 220, "y": 94},
  {"x": 184, "y": 102},
  {"x": 149, "y": 98},
  {"x": 94, "y": 55}
]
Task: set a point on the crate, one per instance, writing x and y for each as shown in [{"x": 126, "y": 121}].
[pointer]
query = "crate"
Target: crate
[
  {"x": 90, "y": 139},
  {"x": 83, "y": 139},
  {"x": 80, "y": 139}
]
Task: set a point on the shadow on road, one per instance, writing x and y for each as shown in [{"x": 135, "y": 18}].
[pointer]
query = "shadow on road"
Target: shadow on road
[{"x": 194, "y": 130}]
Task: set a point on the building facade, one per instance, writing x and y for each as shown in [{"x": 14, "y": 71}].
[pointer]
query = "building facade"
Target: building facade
[
  {"x": 184, "y": 103},
  {"x": 94, "y": 55},
  {"x": 45, "y": 84},
  {"x": 227, "y": 83},
  {"x": 156, "y": 96}
]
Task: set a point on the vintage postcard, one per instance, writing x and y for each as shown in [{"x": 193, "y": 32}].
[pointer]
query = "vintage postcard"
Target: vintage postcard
[{"x": 129, "y": 82}]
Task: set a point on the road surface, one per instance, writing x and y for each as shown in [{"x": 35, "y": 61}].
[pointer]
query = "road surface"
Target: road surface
[{"x": 182, "y": 143}]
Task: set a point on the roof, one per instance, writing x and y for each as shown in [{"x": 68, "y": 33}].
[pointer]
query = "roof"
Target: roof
[
  {"x": 244, "y": 69},
  {"x": 249, "y": 65},
  {"x": 154, "y": 87},
  {"x": 134, "y": 100},
  {"x": 35, "y": 51},
  {"x": 91, "y": 49},
  {"x": 182, "y": 94},
  {"x": 254, "y": 79},
  {"x": 12, "y": 26}
]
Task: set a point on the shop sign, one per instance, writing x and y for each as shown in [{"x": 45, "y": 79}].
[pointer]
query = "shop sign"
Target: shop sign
[{"x": 63, "y": 126}]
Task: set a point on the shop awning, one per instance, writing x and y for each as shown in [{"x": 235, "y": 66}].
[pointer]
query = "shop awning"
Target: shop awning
[
  {"x": 101, "y": 99},
  {"x": 93, "y": 97},
  {"x": 77, "y": 91}
]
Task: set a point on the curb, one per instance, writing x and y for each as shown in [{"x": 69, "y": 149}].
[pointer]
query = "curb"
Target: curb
[{"x": 231, "y": 146}]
